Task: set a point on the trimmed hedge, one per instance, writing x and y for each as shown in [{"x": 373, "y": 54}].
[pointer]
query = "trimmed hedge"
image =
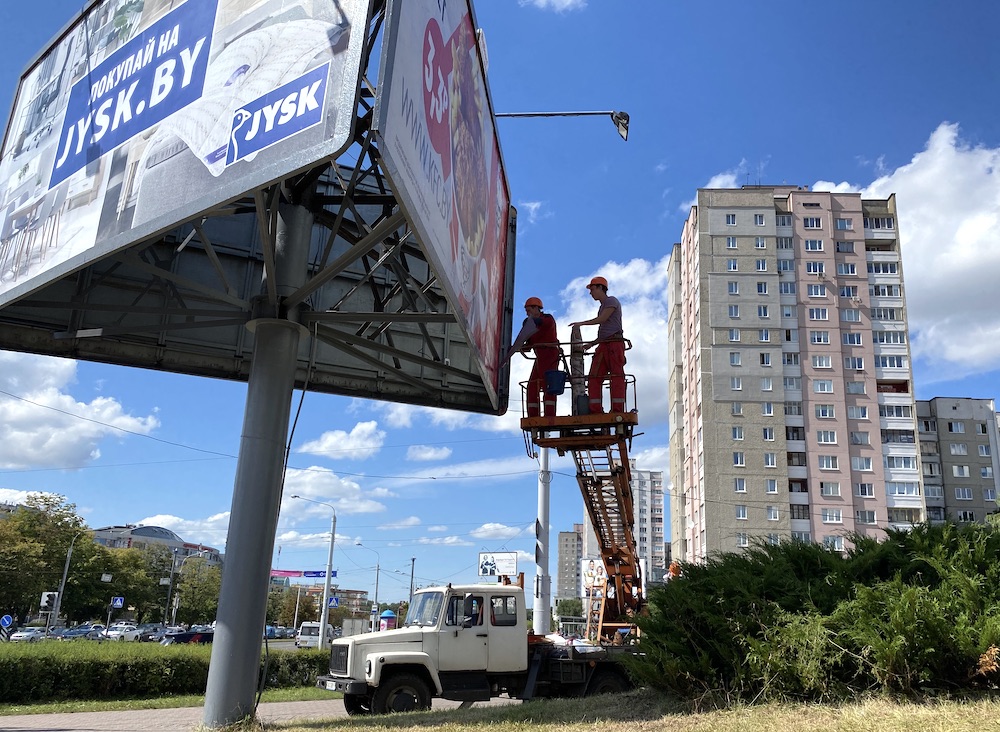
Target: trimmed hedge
[{"x": 55, "y": 671}]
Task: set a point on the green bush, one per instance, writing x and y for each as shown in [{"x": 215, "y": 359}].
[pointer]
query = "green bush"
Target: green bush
[{"x": 50, "y": 671}]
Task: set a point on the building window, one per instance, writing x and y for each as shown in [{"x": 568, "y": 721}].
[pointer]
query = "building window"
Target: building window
[
  {"x": 768, "y": 433},
  {"x": 734, "y": 311},
  {"x": 818, "y": 314},
  {"x": 822, "y": 362},
  {"x": 792, "y": 383},
  {"x": 816, "y": 290},
  {"x": 902, "y": 488},
  {"x": 731, "y": 219},
  {"x": 819, "y": 337},
  {"x": 824, "y": 411},
  {"x": 733, "y": 265},
  {"x": 734, "y": 287},
  {"x": 861, "y": 464},
  {"x": 739, "y": 459},
  {"x": 850, "y": 315},
  {"x": 855, "y": 387},
  {"x": 783, "y": 220},
  {"x": 803, "y": 536},
  {"x": 956, "y": 428},
  {"x": 980, "y": 428},
  {"x": 823, "y": 386},
  {"x": 788, "y": 311},
  {"x": 960, "y": 471},
  {"x": 829, "y": 488},
  {"x": 963, "y": 494},
  {"x": 730, "y": 242},
  {"x": 741, "y": 513},
  {"x": 815, "y": 268},
  {"x": 847, "y": 268},
  {"x": 762, "y": 265},
  {"x": 813, "y": 245},
  {"x": 895, "y": 410},
  {"x": 986, "y": 472},
  {"x": 766, "y": 384},
  {"x": 990, "y": 494},
  {"x": 767, "y": 409},
  {"x": 901, "y": 462},
  {"x": 857, "y": 412},
  {"x": 864, "y": 517},
  {"x": 764, "y": 335},
  {"x": 783, "y": 242},
  {"x": 736, "y": 383},
  {"x": 984, "y": 451},
  {"x": 966, "y": 517},
  {"x": 735, "y": 358},
  {"x": 734, "y": 335},
  {"x": 845, "y": 247},
  {"x": 758, "y": 219},
  {"x": 832, "y": 515},
  {"x": 742, "y": 540},
  {"x": 765, "y": 359},
  {"x": 885, "y": 291},
  {"x": 864, "y": 490},
  {"x": 852, "y": 339},
  {"x": 763, "y": 311},
  {"x": 843, "y": 224},
  {"x": 849, "y": 291},
  {"x": 828, "y": 462},
  {"x": 889, "y": 268},
  {"x": 934, "y": 491},
  {"x": 772, "y": 513},
  {"x": 737, "y": 433},
  {"x": 737, "y": 408},
  {"x": 826, "y": 437},
  {"x": 887, "y": 314},
  {"x": 793, "y": 409},
  {"x": 860, "y": 438},
  {"x": 879, "y": 222},
  {"x": 770, "y": 460},
  {"x": 786, "y": 288},
  {"x": 789, "y": 359},
  {"x": 771, "y": 485},
  {"x": 958, "y": 448},
  {"x": 786, "y": 265},
  {"x": 855, "y": 363},
  {"x": 812, "y": 222},
  {"x": 740, "y": 485},
  {"x": 761, "y": 288},
  {"x": 891, "y": 362},
  {"x": 760, "y": 243}
]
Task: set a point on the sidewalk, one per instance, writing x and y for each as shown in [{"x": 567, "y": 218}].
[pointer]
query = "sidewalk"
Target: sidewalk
[{"x": 178, "y": 720}]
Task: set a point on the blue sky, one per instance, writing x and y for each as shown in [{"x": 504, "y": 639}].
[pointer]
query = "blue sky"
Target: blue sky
[{"x": 876, "y": 97}]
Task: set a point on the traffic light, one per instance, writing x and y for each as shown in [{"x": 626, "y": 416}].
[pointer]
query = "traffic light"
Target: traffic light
[{"x": 49, "y": 601}]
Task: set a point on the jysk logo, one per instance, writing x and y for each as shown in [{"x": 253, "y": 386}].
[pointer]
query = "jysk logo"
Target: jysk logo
[{"x": 279, "y": 114}]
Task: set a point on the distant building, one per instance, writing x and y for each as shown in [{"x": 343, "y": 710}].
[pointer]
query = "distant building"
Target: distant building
[
  {"x": 130, "y": 536},
  {"x": 569, "y": 552}
]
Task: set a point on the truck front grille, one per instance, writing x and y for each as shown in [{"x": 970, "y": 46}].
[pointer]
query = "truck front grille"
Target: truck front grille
[{"x": 338, "y": 660}]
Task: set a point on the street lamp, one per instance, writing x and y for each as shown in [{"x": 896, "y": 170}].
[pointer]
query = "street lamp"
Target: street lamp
[
  {"x": 378, "y": 563},
  {"x": 180, "y": 570},
  {"x": 619, "y": 118},
  {"x": 324, "y": 612},
  {"x": 62, "y": 584}
]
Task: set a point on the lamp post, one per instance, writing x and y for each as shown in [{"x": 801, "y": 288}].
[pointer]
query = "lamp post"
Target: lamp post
[
  {"x": 62, "y": 583},
  {"x": 170, "y": 587},
  {"x": 324, "y": 612},
  {"x": 619, "y": 118},
  {"x": 180, "y": 570},
  {"x": 378, "y": 563}
]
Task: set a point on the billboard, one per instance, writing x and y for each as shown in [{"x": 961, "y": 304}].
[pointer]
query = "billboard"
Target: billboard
[
  {"x": 434, "y": 118},
  {"x": 495, "y": 564},
  {"x": 147, "y": 113}
]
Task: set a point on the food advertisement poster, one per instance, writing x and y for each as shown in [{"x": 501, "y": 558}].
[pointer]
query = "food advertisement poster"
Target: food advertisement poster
[
  {"x": 145, "y": 113},
  {"x": 441, "y": 150}
]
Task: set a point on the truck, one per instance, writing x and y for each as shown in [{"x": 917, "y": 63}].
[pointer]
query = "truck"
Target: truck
[{"x": 466, "y": 643}]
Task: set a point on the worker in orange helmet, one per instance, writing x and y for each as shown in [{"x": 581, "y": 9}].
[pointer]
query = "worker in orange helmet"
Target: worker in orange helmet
[
  {"x": 538, "y": 334},
  {"x": 609, "y": 358}
]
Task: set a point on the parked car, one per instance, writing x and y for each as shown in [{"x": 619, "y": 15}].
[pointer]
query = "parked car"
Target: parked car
[
  {"x": 122, "y": 633},
  {"x": 195, "y": 634},
  {"x": 28, "y": 635},
  {"x": 88, "y": 631},
  {"x": 151, "y": 632},
  {"x": 55, "y": 633}
]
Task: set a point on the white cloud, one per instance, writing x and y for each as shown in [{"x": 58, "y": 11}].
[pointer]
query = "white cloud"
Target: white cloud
[
  {"x": 16, "y": 497},
  {"x": 726, "y": 179},
  {"x": 558, "y": 5},
  {"x": 494, "y": 469},
  {"x": 653, "y": 458},
  {"x": 423, "y": 453},
  {"x": 534, "y": 210},
  {"x": 43, "y": 426},
  {"x": 495, "y": 531},
  {"x": 444, "y": 541},
  {"x": 403, "y": 523},
  {"x": 362, "y": 442},
  {"x": 948, "y": 198},
  {"x": 437, "y": 529},
  {"x": 321, "y": 486},
  {"x": 211, "y": 530}
]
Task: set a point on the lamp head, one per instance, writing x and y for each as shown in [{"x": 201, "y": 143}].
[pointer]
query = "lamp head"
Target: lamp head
[{"x": 621, "y": 123}]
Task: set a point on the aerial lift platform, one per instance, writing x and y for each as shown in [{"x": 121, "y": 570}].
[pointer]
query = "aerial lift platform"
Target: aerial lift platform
[{"x": 599, "y": 444}]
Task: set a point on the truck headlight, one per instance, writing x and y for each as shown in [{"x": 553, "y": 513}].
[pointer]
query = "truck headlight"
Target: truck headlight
[{"x": 368, "y": 667}]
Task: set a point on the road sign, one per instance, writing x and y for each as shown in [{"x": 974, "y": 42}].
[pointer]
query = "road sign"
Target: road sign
[
  {"x": 6, "y": 621},
  {"x": 374, "y": 611},
  {"x": 117, "y": 602},
  {"x": 333, "y": 602},
  {"x": 105, "y": 577}
]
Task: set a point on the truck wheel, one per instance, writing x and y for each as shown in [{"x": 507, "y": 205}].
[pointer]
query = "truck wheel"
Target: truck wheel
[
  {"x": 401, "y": 693},
  {"x": 607, "y": 682},
  {"x": 357, "y": 704}
]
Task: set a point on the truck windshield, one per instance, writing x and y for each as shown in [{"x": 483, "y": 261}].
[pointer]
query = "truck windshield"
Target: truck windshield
[{"x": 426, "y": 608}]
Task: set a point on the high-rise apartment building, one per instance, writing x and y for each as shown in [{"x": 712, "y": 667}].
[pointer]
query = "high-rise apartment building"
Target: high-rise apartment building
[
  {"x": 792, "y": 409},
  {"x": 569, "y": 552},
  {"x": 959, "y": 446}
]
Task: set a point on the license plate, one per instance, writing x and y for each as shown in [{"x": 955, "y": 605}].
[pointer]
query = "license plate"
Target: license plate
[{"x": 331, "y": 685}]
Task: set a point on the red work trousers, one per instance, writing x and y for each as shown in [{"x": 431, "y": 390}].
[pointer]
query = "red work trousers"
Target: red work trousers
[
  {"x": 546, "y": 359},
  {"x": 608, "y": 363}
]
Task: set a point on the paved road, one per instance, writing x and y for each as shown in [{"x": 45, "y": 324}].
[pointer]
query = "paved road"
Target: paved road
[{"x": 179, "y": 720}]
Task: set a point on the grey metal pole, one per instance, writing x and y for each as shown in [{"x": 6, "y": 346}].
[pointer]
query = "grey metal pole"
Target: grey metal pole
[
  {"x": 324, "y": 614},
  {"x": 375, "y": 619},
  {"x": 170, "y": 587},
  {"x": 540, "y": 621},
  {"x": 413, "y": 563},
  {"x": 62, "y": 584},
  {"x": 253, "y": 521}
]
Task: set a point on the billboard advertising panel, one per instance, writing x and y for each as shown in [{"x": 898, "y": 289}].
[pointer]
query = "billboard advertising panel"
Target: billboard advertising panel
[
  {"x": 495, "y": 564},
  {"x": 441, "y": 150},
  {"x": 147, "y": 113}
]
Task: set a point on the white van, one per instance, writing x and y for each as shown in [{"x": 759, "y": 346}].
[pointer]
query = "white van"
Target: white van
[{"x": 308, "y": 635}]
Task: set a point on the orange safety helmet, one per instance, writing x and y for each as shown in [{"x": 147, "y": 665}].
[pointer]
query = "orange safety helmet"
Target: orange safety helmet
[
  {"x": 533, "y": 301},
  {"x": 598, "y": 281}
]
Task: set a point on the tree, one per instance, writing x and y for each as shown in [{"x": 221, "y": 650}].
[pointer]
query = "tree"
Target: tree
[
  {"x": 197, "y": 591},
  {"x": 572, "y": 606}
]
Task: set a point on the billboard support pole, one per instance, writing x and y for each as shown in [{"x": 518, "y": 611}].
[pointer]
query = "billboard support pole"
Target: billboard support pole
[
  {"x": 235, "y": 662},
  {"x": 541, "y": 610}
]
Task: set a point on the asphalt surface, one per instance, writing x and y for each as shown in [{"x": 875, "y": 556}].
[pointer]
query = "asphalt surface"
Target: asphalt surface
[{"x": 182, "y": 719}]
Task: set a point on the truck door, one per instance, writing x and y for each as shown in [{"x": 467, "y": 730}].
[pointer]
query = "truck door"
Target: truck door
[{"x": 465, "y": 637}]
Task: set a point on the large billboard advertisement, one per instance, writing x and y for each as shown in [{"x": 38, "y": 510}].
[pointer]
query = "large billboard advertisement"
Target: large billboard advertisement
[
  {"x": 147, "y": 113},
  {"x": 441, "y": 150}
]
